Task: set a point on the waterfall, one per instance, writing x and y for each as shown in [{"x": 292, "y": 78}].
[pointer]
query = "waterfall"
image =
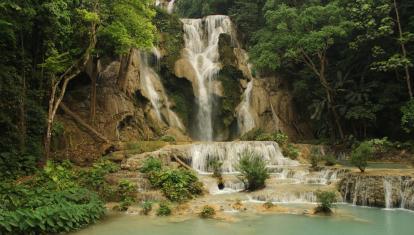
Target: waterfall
[
  {"x": 398, "y": 191},
  {"x": 170, "y": 6},
  {"x": 388, "y": 193},
  {"x": 153, "y": 89},
  {"x": 201, "y": 50},
  {"x": 229, "y": 154},
  {"x": 245, "y": 118}
]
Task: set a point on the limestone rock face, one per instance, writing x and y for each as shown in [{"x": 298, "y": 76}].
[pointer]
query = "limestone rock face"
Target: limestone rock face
[
  {"x": 274, "y": 109},
  {"x": 123, "y": 109}
]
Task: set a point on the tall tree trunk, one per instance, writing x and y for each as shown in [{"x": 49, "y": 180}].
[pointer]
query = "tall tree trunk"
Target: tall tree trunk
[
  {"x": 330, "y": 98},
  {"x": 58, "y": 92},
  {"x": 403, "y": 50},
  {"x": 123, "y": 68},
  {"x": 22, "y": 103},
  {"x": 95, "y": 74}
]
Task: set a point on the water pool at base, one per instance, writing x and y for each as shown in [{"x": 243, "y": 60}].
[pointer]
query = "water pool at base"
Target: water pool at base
[{"x": 349, "y": 220}]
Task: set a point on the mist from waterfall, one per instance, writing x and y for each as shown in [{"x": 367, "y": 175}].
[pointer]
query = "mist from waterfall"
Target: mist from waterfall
[
  {"x": 153, "y": 89},
  {"x": 201, "y": 50}
]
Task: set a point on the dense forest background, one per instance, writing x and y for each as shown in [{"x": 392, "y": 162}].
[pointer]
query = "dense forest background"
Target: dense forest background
[{"x": 348, "y": 62}]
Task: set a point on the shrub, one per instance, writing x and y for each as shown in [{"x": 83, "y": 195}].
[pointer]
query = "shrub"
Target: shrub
[
  {"x": 380, "y": 145},
  {"x": 315, "y": 156},
  {"x": 264, "y": 137},
  {"x": 360, "y": 155},
  {"x": 207, "y": 212},
  {"x": 146, "y": 207},
  {"x": 168, "y": 138},
  {"x": 216, "y": 166},
  {"x": 253, "y": 171},
  {"x": 94, "y": 179},
  {"x": 151, "y": 165},
  {"x": 177, "y": 185},
  {"x": 268, "y": 205},
  {"x": 164, "y": 209},
  {"x": 330, "y": 160},
  {"x": 291, "y": 151},
  {"x": 125, "y": 204},
  {"x": 325, "y": 201}
]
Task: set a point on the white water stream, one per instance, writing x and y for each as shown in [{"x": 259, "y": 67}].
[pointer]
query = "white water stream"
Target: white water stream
[
  {"x": 201, "y": 50},
  {"x": 153, "y": 89}
]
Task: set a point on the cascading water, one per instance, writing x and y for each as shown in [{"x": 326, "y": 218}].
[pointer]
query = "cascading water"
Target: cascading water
[
  {"x": 245, "y": 118},
  {"x": 397, "y": 191},
  {"x": 229, "y": 153},
  {"x": 201, "y": 50},
  {"x": 153, "y": 89},
  {"x": 388, "y": 193},
  {"x": 170, "y": 6}
]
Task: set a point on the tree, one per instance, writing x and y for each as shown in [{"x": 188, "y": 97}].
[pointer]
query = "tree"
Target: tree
[
  {"x": 361, "y": 154},
  {"x": 302, "y": 34},
  {"x": 376, "y": 21},
  {"x": 123, "y": 24},
  {"x": 325, "y": 201}
]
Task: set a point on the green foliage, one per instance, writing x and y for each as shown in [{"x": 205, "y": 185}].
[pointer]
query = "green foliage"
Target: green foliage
[
  {"x": 252, "y": 134},
  {"x": 94, "y": 179},
  {"x": 326, "y": 200},
  {"x": 291, "y": 151},
  {"x": 49, "y": 203},
  {"x": 127, "y": 24},
  {"x": 361, "y": 154},
  {"x": 177, "y": 185},
  {"x": 207, "y": 212},
  {"x": 229, "y": 77},
  {"x": 330, "y": 160},
  {"x": 171, "y": 37},
  {"x": 253, "y": 171},
  {"x": 216, "y": 165},
  {"x": 151, "y": 165},
  {"x": 146, "y": 207},
  {"x": 315, "y": 157},
  {"x": 168, "y": 138},
  {"x": 200, "y": 8},
  {"x": 164, "y": 209},
  {"x": 126, "y": 190},
  {"x": 278, "y": 137},
  {"x": 407, "y": 119}
]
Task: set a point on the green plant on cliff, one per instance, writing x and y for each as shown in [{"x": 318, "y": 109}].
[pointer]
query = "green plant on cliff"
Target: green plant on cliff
[
  {"x": 252, "y": 134},
  {"x": 361, "y": 155},
  {"x": 291, "y": 151},
  {"x": 326, "y": 201},
  {"x": 229, "y": 77},
  {"x": 253, "y": 171},
  {"x": 171, "y": 37}
]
